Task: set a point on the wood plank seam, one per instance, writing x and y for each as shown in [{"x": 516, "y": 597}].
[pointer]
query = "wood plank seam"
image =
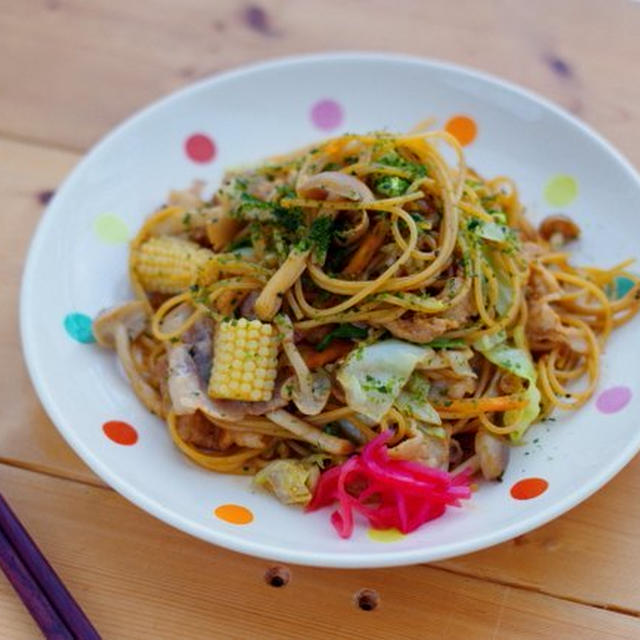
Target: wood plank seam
[
  {"x": 551, "y": 594},
  {"x": 52, "y": 473},
  {"x": 466, "y": 574},
  {"x": 19, "y": 138}
]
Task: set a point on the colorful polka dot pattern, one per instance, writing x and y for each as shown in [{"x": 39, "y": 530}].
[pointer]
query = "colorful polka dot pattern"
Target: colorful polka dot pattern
[
  {"x": 463, "y": 128},
  {"x": 561, "y": 190},
  {"x": 385, "y": 535},
  {"x": 529, "y": 488},
  {"x": 326, "y": 115},
  {"x": 613, "y": 399},
  {"x": 111, "y": 229},
  {"x": 78, "y": 327},
  {"x": 120, "y": 432},
  {"x": 622, "y": 286},
  {"x": 200, "y": 148},
  {"x": 234, "y": 514}
]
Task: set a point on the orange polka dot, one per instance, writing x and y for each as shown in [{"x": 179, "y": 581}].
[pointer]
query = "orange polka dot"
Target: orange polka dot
[
  {"x": 120, "y": 432},
  {"x": 234, "y": 514},
  {"x": 528, "y": 488},
  {"x": 463, "y": 128}
]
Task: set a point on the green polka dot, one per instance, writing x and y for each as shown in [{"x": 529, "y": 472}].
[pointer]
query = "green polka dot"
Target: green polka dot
[
  {"x": 385, "y": 535},
  {"x": 78, "y": 326},
  {"x": 111, "y": 229},
  {"x": 561, "y": 190}
]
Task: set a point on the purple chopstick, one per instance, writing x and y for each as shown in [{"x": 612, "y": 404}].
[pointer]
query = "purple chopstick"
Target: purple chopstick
[
  {"x": 44, "y": 578},
  {"x": 27, "y": 588}
]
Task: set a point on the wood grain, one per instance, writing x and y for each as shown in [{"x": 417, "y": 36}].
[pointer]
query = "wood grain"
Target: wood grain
[
  {"x": 590, "y": 553},
  {"x": 71, "y": 70},
  {"x": 76, "y": 68},
  {"x": 28, "y": 175},
  {"x": 593, "y": 544},
  {"x": 137, "y": 578}
]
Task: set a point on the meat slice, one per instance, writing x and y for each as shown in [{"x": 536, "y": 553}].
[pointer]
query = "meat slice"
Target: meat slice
[
  {"x": 423, "y": 328},
  {"x": 544, "y": 328},
  {"x": 199, "y": 340},
  {"x": 420, "y": 328},
  {"x": 242, "y": 408},
  {"x": 199, "y": 432}
]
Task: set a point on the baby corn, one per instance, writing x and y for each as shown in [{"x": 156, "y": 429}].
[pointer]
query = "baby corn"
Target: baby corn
[
  {"x": 170, "y": 265},
  {"x": 245, "y": 360}
]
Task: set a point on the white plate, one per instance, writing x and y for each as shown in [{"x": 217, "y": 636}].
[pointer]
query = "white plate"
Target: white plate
[{"x": 77, "y": 264}]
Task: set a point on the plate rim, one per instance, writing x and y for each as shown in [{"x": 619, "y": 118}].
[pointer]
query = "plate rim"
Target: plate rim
[{"x": 346, "y": 559}]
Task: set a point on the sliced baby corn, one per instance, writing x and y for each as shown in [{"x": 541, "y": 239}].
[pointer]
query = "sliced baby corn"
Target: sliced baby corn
[
  {"x": 170, "y": 265},
  {"x": 245, "y": 360}
]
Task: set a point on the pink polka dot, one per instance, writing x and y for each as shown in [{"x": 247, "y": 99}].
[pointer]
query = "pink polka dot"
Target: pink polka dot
[
  {"x": 200, "y": 148},
  {"x": 613, "y": 399},
  {"x": 326, "y": 114}
]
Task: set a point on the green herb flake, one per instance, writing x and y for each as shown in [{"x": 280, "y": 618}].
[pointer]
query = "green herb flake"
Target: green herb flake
[
  {"x": 289, "y": 219},
  {"x": 394, "y": 159},
  {"x": 446, "y": 343},
  {"x": 320, "y": 236},
  {"x": 350, "y": 331},
  {"x": 332, "y": 429},
  {"x": 391, "y": 186}
]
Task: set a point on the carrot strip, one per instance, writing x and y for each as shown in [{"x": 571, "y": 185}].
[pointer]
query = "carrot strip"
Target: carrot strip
[
  {"x": 471, "y": 406},
  {"x": 367, "y": 249},
  {"x": 337, "y": 349},
  {"x": 229, "y": 300}
]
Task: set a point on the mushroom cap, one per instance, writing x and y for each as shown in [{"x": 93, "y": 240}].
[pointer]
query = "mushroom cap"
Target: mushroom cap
[
  {"x": 311, "y": 398},
  {"x": 334, "y": 185},
  {"x": 493, "y": 453},
  {"x": 559, "y": 224},
  {"x": 132, "y": 315}
]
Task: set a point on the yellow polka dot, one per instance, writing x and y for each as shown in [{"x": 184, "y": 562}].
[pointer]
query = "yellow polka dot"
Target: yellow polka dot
[
  {"x": 385, "y": 535},
  {"x": 234, "y": 514},
  {"x": 560, "y": 190},
  {"x": 111, "y": 229}
]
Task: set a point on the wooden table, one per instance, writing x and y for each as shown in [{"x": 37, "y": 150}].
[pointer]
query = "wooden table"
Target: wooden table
[{"x": 69, "y": 71}]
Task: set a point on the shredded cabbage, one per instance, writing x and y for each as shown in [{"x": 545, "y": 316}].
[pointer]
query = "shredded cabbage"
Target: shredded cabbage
[
  {"x": 519, "y": 362},
  {"x": 515, "y": 360},
  {"x": 413, "y": 400},
  {"x": 493, "y": 231},
  {"x": 527, "y": 415},
  {"x": 373, "y": 375},
  {"x": 290, "y": 480}
]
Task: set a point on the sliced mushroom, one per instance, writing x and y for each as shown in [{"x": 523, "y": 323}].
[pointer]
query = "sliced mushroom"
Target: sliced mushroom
[
  {"x": 356, "y": 225},
  {"x": 186, "y": 388},
  {"x": 190, "y": 198},
  {"x": 132, "y": 315},
  {"x": 430, "y": 450},
  {"x": 309, "y": 390},
  {"x": 558, "y": 230},
  {"x": 176, "y": 318},
  {"x": 115, "y": 329},
  {"x": 311, "y": 434},
  {"x": 493, "y": 454},
  {"x": 335, "y": 185}
]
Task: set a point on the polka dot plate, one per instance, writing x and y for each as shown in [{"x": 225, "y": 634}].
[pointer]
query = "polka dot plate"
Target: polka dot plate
[{"x": 77, "y": 266}]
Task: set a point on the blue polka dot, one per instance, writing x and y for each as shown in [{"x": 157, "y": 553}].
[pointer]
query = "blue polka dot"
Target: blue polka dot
[
  {"x": 623, "y": 286},
  {"x": 78, "y": 326}
]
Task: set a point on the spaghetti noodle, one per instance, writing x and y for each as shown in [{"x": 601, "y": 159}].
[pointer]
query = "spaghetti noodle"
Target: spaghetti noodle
[{"x": 407, "y": 296}]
